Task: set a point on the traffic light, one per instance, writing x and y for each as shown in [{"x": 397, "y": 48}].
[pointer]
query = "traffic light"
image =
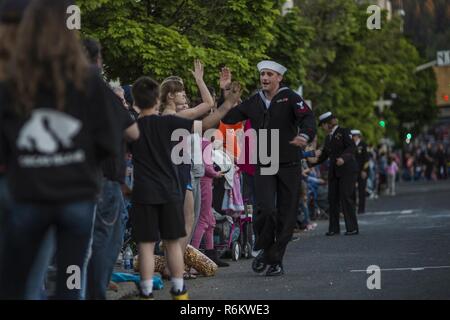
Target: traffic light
[
  {"x": 446, "y": 97},
  {"x": 382, "y": 123},
  {"x": 408, "y": 138}
]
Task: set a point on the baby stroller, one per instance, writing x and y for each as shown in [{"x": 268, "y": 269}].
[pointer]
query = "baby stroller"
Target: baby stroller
[{"x": 234, "y": 235}]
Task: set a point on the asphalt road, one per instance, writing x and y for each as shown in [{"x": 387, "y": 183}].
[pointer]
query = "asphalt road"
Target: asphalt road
[{"x": 407, "y": 236}]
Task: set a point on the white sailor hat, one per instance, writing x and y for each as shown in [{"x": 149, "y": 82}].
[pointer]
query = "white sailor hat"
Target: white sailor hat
[
  {"x": 325, "y": 117},
  {"x": 272, "y": 65},
  {"x": 356, "y": 132}
]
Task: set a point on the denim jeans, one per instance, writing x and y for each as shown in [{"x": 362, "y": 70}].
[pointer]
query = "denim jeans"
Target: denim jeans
[
  {"x": 304, "y": 208},
  {"x": 35, "y": 289},
  {"x": 5, "y": 199},
  {"x": 27, "y": 228},
  {"x": 107, "y": 240},
  {"x": 5, "y": 203},
  {"x": 35, "y": 286},
  {"x": 311, "y": 202}
]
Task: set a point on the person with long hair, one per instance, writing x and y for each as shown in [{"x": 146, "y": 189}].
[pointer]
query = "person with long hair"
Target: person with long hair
[
  {"x": 173, "y": 102},
  {"x": 11, "y": 12},
  {"x": 58, "y": 127}
]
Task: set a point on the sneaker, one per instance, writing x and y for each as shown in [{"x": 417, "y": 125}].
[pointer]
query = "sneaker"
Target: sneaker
[
  {"x": 311, "y": 226},
  {"x": 179, "y": 295},
  {"x": 275, "y": 270},
  {"x": 258, "y": 263}
]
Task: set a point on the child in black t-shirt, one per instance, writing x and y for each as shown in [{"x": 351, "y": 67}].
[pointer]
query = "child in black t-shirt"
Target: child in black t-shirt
[{"x": 157, "y": 210}]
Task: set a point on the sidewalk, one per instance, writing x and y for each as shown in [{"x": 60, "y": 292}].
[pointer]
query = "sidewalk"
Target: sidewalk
[{"x": 125, "y": 291}]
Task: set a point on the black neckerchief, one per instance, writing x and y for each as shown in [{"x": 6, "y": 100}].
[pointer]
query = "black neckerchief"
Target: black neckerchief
[{"x": 265, "y": 110}]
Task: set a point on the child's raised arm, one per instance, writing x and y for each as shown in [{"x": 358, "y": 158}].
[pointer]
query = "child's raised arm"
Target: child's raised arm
[{"x": 208, "y": 101}]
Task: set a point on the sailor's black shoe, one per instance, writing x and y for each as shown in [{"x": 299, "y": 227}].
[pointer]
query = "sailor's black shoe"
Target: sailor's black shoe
[
  {"x": 258, "y": 264},
  {"x": 275, "y": 270}
]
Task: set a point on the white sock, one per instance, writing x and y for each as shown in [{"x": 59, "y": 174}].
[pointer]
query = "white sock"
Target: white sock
[
  {"x": 147, "y": 287},
  {"x": 178, "y": 284}
]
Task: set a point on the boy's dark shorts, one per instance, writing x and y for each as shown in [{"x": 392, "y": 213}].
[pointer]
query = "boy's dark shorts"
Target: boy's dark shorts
[
  {"x": 151, "y": 223},
  {"x": 184, "y": 175}
]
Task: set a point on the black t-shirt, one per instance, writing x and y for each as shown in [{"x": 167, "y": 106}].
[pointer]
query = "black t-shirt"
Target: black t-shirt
[
  {"x": 2, "y": 152},
  {"x": 54, "y": 156},
  {"x": 155, "y": 175},
  {"x": 114, "y": 167},
  {"x": 2, "y": 162},
  {"x": 133, "y": 113}
]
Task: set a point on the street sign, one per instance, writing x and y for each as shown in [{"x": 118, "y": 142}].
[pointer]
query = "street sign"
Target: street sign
[
  {"x": 443, "y": 58},
  {"x": 381, "y": 104}
]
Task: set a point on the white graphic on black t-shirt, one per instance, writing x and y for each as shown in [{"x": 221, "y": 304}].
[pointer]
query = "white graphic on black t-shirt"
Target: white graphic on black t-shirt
[
  {"x": 47, "y": 130},
  {"x": 47, "y": 134}
]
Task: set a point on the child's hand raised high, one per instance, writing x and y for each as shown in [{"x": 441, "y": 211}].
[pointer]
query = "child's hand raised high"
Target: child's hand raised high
[{"x": 198, "y": 70}]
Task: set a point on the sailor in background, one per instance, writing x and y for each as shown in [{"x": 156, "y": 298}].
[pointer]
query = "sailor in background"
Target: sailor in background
[
  {"x": 362, "y": 159},
  {"x": 340, "y": 149}
]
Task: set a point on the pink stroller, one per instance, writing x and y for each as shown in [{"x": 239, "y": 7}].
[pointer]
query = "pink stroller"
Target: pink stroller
[{"x": 234, "y": 235}]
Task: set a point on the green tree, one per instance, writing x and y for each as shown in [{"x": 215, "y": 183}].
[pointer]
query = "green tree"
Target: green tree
[
  {"x": 292, "y": 40},
  {"x": 350, "y": 67},
  {"x": 162, "y": 38},
  {"x": 343, "y": 75},
  {"x": 326, "y": 46},
  {"x": 418, "y": 107}
]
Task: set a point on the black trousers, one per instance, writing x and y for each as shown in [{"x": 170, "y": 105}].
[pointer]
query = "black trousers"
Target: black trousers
[
  {"x": 341, "y": 195},
  {"x": 277, "y": 198},
  {"x": 362, "y": 183},
  {"x": 428, "y": 171},
  {"x": 442, "y": 170}
]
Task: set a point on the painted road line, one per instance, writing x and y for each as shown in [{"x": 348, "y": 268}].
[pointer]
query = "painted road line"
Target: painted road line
[
  {"x": 406, "y": 269},
  {"x": 385, "y": 213}
]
